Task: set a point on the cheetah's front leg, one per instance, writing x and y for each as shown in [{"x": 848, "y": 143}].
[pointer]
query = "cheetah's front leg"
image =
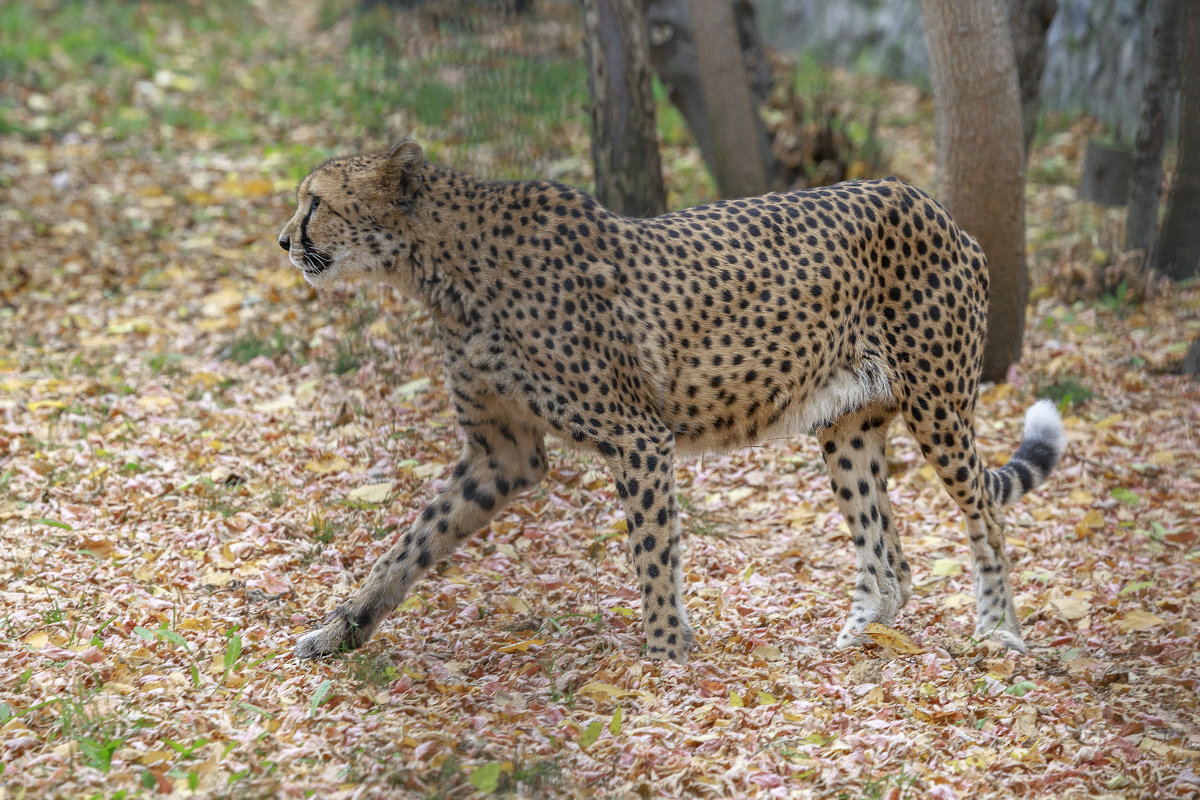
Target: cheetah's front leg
[
  {"x": 644, "y": 469},
  {"x": 499, "y": 461}
]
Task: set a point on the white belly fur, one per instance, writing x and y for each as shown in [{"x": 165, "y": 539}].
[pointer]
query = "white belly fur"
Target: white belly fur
[{"x": 846, "y": 390}]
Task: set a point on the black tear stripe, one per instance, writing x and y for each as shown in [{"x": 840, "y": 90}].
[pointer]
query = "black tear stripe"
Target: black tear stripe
[
  {"x": 316, "y": 201},
  {"x": 306, "y": 244}
]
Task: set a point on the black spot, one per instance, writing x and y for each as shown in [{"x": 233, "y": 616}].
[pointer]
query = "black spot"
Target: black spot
[{"x": 471, "y": 491}]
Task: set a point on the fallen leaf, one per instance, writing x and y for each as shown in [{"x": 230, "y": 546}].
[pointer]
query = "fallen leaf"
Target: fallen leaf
[
  {"x": 1072, "y": 607},
  {"x": 1092, "y": 520},
  {"x": 486, "y": 778},
  {"x": 521, "y": 647},
  {"x": 602, "y": 688},
  {"x": 767, "y": 652},
  {"x": 372, "y": 492},
  {"x": 1138, "y": 620},
  {"x": 516, "y": 605},
  {"x": 591, "y": 734},
  {"x": 887, "y": 637},
  {"x": 37, "y": 640},
  {"x": 945, "y": 567},
  {"x": 327, "y": 464}
]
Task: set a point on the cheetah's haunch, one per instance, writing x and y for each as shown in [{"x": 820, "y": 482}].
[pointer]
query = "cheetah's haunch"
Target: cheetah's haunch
[{"x": 830, "y": 310}]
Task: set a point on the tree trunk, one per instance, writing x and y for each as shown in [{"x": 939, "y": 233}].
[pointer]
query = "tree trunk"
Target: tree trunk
[
  {"x": 1145, "y": 184},
  {"x": 1178, "y": 253},
  {"x": 1191, "y": 360},
  {"x": 732, "y": 116},
  {"x": 624, "y": 137},
  {"x": 981, "y": 163},
  {"x": 744, "y": 80},
  {"x": 1028, "y": 21}
]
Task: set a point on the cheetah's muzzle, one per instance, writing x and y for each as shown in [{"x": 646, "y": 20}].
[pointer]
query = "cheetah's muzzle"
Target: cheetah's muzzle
[{"x": 830, "y": 311}]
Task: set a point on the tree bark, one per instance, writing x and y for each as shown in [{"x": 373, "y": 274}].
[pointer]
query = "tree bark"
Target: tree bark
[
  {"x": 981, "y": 161},
  {"x": 1028, "y": 21},
  {"x": 1178, "y": 253},
  {"x": 743, "y": 80},
  {"x": 1145, "y": 185},
  {"x": 624, "y": 136}
]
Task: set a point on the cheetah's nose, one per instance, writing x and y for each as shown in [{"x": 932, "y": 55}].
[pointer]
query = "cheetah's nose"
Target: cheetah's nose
[{"x": 285, "y": 243}]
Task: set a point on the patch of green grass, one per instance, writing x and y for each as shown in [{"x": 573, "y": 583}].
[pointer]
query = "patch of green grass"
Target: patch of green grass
[
  {"x": 541, "y": 778},
  {"x": 218, "y": 496},
  {"x": 1067, "y": 393},
  {"x": 371, "y": 670},
  {"x": 323, "y": 529},
  {"x": 251, "y": 345},
  {"x": 95, "y": 733},
  {"x": 1050, "y": 171},
  {"x": 277, "y": 496}
]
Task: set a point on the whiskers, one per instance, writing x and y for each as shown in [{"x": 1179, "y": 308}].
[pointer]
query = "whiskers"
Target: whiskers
[{"x": 315, "y": 259}]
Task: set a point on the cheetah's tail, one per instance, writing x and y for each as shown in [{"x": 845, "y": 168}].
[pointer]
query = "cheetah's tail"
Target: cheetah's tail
[{"x": 1041, "y": 448}]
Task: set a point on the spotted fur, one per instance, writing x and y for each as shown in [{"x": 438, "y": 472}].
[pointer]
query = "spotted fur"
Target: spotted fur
[{"x": 830, "y": 310}]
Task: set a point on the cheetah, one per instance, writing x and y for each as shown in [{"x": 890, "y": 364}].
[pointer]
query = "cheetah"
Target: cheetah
[{"x": 828, "y": 311}]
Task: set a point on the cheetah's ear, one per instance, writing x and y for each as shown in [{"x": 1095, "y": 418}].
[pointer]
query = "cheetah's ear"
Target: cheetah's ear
[{"x": 402, "y": 164}]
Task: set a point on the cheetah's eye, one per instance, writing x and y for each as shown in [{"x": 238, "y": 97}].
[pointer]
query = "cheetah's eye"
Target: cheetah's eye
[{"x": 316, "y": 201}]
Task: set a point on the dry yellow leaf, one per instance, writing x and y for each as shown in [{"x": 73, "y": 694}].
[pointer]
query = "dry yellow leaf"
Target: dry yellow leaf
[
  {"x": 37, "y": 640},
  {"x": 517, "y": 606},
  {"x": 767, "y": 652},
  {"x": 1163, "y": 458},
  {"x": 738, "y": 494},
  {"x": 887, "y": 637},
  {"x": 959, "y": 600},
  {"x": 1138, "y": 620},
  {"x": 1072, "y": 607},
  {"x": 14, "y": 727},
  {"x": 945, "y": 567},
  {"x": 1092, "y": 520},
  {"x": 1081, "y": 498},
  {"x": 430, "y": 470},
  {"x": 520, "y": 647},
  {"x": 222, "y": 302},
  {"x": 327, "y": 464},
  {"x": 216, "y": 577},
  {"x": 152, "y": 757},
  {"x": 372, "y": 492},
  {"x": 249, "y": 187}
]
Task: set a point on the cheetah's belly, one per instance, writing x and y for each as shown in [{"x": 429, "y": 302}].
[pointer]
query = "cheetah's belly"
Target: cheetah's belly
[{"x": 847, "y": 389}]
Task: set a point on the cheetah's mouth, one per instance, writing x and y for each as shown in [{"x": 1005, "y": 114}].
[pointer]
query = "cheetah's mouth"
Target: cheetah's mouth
[{"x": 315, "y": 259}]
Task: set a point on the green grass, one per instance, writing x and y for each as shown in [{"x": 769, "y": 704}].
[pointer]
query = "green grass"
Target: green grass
[
  {"x": 252, "y": 344},
  {"x": 219, "y": 69},
  {"x": 1067, "y": 393}
]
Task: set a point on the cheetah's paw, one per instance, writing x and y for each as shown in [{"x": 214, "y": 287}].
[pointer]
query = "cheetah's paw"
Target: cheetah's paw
[
  {"x": 1010, "y": 640},
  {"x": 337, "y": 635},
  {"x": 663, "y": 650}
]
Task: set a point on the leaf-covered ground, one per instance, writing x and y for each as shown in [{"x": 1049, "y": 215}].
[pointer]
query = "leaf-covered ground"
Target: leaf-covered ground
[{"x": 199, "y": 457}]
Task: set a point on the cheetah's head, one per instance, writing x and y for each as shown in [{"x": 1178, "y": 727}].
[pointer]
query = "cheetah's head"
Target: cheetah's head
[{"x": 353, "y": 216}]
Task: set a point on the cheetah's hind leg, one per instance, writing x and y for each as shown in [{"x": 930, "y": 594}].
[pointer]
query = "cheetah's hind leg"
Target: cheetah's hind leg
[{"x": 854, "y": 448}]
